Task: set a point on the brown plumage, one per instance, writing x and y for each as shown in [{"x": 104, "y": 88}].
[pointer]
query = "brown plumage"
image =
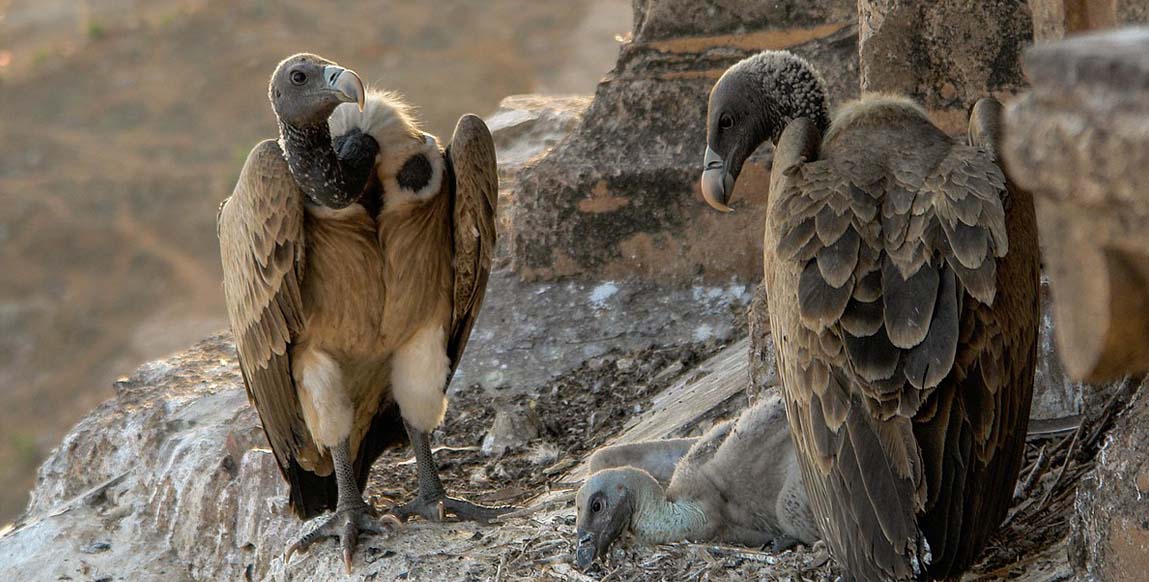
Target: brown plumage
[
  {"x": 901, "y": 270},
  {"x": 352, "y": 300}
]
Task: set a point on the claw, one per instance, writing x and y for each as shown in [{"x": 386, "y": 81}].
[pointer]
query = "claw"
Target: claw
[
  {"x": 346, "y": 525},
  {"x": 348, "y": 540}
]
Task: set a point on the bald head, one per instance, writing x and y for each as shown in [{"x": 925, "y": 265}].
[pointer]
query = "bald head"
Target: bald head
[{"x": 306, "y": 88}]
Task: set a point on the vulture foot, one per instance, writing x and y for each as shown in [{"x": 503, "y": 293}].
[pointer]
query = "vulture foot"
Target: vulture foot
[
  {"x": 346, "y": 525},
  {"x": 437, "y": 509}
]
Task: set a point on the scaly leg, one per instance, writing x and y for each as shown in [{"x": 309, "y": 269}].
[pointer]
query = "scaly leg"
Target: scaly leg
[
  {"x": 432, "y": 502},
  {"x": 352, "y": 514}
]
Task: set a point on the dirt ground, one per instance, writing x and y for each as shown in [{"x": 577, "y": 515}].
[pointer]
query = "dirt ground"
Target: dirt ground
[{"x": 1031, "y": 546}]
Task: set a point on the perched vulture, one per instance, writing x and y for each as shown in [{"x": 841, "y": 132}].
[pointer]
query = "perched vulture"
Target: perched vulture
[
  {"x": 902, "y": 275},
  {"x": 354, "y": 268},
  {"x": 738, "y": 483}
]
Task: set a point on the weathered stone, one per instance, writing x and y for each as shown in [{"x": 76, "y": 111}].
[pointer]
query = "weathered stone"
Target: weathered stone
[
  {"x": 619, "y": 198},
  {"x": 513, "y": 428},
  {"x": 1110, "y": 527},
  {"x": 1080, "y": 142},
  {"x": 945, "y": 54},
  {"x": 525, "y": 128},
  {"x": 1055, "y": 395},
  {"x": 1054, "y": 19}
]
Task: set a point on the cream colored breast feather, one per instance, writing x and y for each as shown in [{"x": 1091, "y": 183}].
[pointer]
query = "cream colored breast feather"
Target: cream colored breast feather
[{"x": 388, "y": 119}]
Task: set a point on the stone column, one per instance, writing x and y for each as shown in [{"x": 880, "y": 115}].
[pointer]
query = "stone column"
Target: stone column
[
  {"x": 1080, "y": 142},
  {"x": 1054, "y": 19},
  {"x": 619, "y": 198},
  {"x": 947, "y": 54}
]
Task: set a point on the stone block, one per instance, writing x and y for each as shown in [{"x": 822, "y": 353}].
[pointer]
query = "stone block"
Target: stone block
[
  {"x": 1110, "y": 526},
  {"x": 620, "y": 198},
  {"x": 945, "y": 54},
  {"x": 1080, "y": 142}
]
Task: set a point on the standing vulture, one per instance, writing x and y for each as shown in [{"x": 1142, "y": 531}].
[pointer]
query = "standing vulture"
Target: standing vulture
[
  {"x": 902, "y": 274},
  {"x": 354, "y": 268}
]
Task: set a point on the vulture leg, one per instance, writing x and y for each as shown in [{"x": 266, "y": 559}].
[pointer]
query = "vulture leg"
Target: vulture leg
[
  {"x": 352, "y": 514},
  {"x": 432, "y": 502}
]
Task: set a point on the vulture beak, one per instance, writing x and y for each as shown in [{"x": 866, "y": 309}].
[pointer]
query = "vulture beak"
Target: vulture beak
[
  {"x": 587, "y": 549},
  {"x": 717, "y": 183},
  {"x": 346, "y": 83}
]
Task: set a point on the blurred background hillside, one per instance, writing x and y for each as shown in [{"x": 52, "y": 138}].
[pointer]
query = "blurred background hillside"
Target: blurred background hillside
[{"x": 123, "y": 124}]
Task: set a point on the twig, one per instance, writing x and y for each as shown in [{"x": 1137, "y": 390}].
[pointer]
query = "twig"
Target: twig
[
  {"x": 1064, "y": 465},
  {"x": 528, "y": 511},
  {"x": 1038, "y": 468},
  {"x": 743, "y": 553},
  {"x": 556, "y": 559}
]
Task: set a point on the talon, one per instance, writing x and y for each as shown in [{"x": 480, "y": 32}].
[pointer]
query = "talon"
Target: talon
[
  {"x": 392, "y": 519},
  {"x": 290, "y": 552},
  {"x": 441, "y": 509}
]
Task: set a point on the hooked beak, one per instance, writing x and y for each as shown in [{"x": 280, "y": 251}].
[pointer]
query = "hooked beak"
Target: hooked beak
[
  {"x": 717, "y": 183},
  {"x": 346, "y": 84},
  {"x": 587, "y": 549}
]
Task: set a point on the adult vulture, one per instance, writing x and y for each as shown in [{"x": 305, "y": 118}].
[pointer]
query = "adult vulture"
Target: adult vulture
[
  {"x": 901, "y": 270},
  {"x": 354, "y": 268}
]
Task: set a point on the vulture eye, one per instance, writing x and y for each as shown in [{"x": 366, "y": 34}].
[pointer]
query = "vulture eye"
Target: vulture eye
[
  {"x": 726, "y": 121},
  {"x": 298, "y": 78},
  {"x": 596, "y": 506}
]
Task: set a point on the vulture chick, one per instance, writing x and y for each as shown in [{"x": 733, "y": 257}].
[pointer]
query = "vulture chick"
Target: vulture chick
[
  {"x": 354, "y": 268},
  {"x": 739, "y": 483},
  {"x": 902, "y": 274}
]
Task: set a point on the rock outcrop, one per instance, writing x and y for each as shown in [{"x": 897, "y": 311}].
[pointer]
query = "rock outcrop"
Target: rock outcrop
[
  {"x": 171, "y": 480},
  {"x": 945, "y": 54},
  {"x": 619, "y": 198},
  {"x": 1110, "y": 538}
]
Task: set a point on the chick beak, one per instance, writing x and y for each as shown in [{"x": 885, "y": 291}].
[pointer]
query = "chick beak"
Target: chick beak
[
  {"x": 346, "y": 84},
  {"x": 586, "y": 551},
  {"x": 717, "y": 183}
]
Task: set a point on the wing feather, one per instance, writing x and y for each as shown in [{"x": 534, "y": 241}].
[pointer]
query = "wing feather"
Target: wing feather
[
  {"x": 474, "y": 197},
  {"x": 261, "y": 242},
  {"x": 892, "y": 259}
]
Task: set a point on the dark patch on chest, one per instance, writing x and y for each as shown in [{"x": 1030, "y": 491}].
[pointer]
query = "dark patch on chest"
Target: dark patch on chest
[
  {"x": 415, "y": 173},
  {"x": 372, "y": 196}
]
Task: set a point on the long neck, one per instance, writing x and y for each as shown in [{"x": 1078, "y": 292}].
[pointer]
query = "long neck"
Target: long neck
[
  {"x": 658, "y": 520},
  {"x": 316, "y": 168}
]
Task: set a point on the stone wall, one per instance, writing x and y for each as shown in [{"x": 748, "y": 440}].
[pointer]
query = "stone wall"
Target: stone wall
[
  {"x": 945, "y": 54},
  {"x": 619, "y": 198}
]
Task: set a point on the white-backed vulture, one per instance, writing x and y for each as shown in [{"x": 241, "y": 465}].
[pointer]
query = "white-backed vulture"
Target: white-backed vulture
[
  {"x": 738, "y": 483},
  {"x": 901, "y": 270},
  {"x": 354, "y": 268}
]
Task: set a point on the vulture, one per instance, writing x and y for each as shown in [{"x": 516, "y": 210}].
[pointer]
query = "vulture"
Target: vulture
[
  {"x": 901, "y": 269},
  {"x": 355, "y": 255},
  {"x": 738, "y": 483}
]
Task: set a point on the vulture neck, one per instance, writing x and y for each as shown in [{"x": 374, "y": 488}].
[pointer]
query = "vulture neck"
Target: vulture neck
[
  {"x": 317, "y": 170},
  {"x": 658, "y": 520}
]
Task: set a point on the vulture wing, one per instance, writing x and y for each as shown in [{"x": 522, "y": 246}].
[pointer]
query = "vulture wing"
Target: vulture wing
[
  {"x": 261, "y": 244},
  {"x": 474, "y": 195},
  {"x": 882, "y": 277}
]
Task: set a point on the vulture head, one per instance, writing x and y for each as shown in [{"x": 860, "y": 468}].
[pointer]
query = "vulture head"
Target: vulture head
[
  {"x": 751, "y": 103},
  {"x": 606, "y": 505},
  {"x": 306, "y": 88}
]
